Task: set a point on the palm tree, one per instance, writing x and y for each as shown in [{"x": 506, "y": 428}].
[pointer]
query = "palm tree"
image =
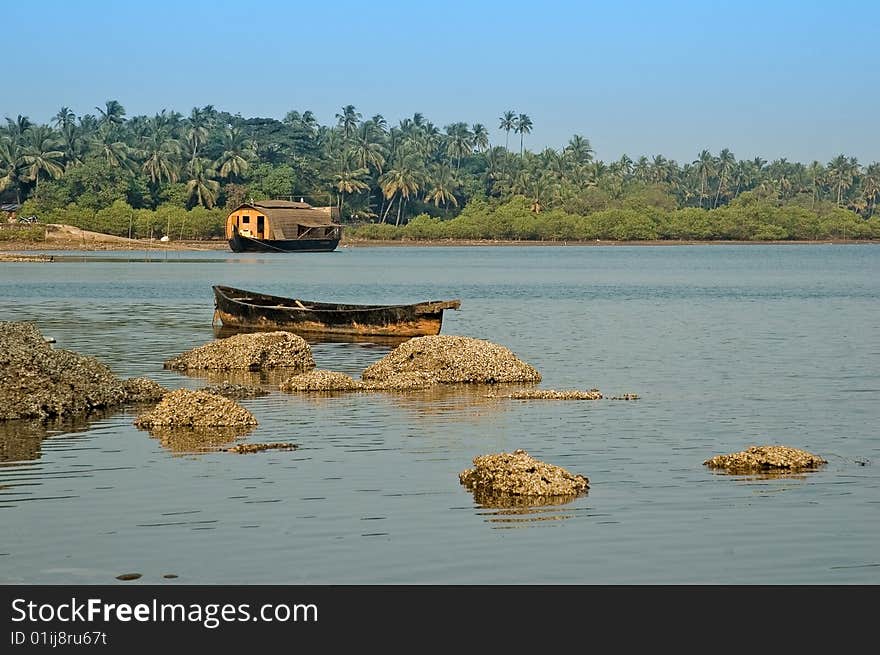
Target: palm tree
[
  {"x": 523, "y": 126},
  {"x": 160, "y": 158},
  {"x": 726, "y": 162},
  {"x": 348, "y": 120},
  {"x": 64, "y": 118},
  {"x": 201, "y": 185},
  {"x": 442, "y": 184},
  {"x": 113, "y": 113},
  {"x": 40, "y": 154},
  {"x": 816, "y": 173},
  {"x": 403, "y": 180},
  {"x": 508, "y": 123},
  {"x": 841, "y": 172},
  {"x": 460, "y": 142},
  {"x": 705, "y": 164},
  {"x": 11, "y": 174},
  {"x": 349, "y": 181},
  {"x": 871, "y": 187},
  {"x": 579, "y": 149},
  {"x": 480, "y": 137},
  {"x": 366, "y": 149},
  {"x": 233, "y": 163},
  {"x": 109, "y": 147}
]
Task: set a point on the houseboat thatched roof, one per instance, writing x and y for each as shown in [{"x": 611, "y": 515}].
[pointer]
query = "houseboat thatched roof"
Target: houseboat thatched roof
[{"x": 284, "y": 214}]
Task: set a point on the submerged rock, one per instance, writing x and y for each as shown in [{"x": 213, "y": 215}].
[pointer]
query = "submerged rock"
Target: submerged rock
[
  {"x": 196, "y": 409},
  {"x": 550, "y": 394},
  {"x": 446, "y": 359},
  {"x": 247, "y": 448},
  {"x": 38, "y": 381},
  {"x": 766, "y": 458},
  {"x": 143, "y": 390},
  {"x": 519, "y": 474},
  {"x": 321, "y": 380},
  {"x": 255, "y": 351},
  {"x": 233, "y": 391}
]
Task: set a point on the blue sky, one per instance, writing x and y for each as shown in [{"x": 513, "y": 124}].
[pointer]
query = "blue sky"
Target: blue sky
[{"x": 784, "y": 78}]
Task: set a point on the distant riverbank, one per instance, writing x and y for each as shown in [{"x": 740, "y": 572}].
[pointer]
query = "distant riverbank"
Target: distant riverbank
[{"x": 68, "y": 238}]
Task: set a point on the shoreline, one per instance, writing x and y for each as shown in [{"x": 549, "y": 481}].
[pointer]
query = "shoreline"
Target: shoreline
[{"x": 68, "y": 239}]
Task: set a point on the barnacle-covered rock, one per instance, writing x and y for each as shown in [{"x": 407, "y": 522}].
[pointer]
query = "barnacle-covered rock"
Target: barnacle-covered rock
[
  {"x": 447, "y": 359},
  {"x": 38, "y": 381},
  {"x": 519, "y": 474},
  {"x": 184, "y": 408},
  {"x": 321, "y": 380},
  {"x": 143, "y": 390},
  {"x": 766, "y": 458},
  {"x": 255, "y": 351},
  {"x": 247, "y": 448},
  {"x": 235, "y": 391},
  {"x": 551, "y": 394}
]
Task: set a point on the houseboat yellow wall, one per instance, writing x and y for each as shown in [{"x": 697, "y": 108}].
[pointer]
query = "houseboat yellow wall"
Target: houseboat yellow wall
[{"x": 249, "y": 227}]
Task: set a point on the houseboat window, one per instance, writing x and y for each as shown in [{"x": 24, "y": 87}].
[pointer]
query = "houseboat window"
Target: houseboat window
[{"x": 245, "y": 219}]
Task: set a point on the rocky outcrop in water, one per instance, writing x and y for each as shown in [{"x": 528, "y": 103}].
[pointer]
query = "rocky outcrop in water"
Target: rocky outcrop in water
[
  {"x": 519, "y": 474},
  {"x": 321, "y": 380},
  {"x": 143, "y": 390},
  {"x": 443, "y": 359},
  {"x": 235, "y": 391},
  {"x": 38, "y": 381},
  {"x": 766, "y": 458},
  {"x": 258, "y": 351},
  {"x": 184, "y": 408}
]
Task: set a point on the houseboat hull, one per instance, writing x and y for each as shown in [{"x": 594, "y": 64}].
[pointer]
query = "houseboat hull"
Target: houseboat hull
[{"x": 239, "y": 243}]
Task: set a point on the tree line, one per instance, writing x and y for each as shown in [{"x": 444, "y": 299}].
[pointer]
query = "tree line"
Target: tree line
[{"x": 180, "y": 173}]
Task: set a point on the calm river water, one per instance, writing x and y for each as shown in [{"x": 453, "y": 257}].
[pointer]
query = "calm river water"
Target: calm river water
[{"x": 727, "y": 347}]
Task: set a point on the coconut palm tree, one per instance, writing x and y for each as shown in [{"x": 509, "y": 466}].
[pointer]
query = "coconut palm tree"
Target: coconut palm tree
[
  {"x": 705, "y": 167},
  {"x": 237, "y": 152},
  {"x": 201, "y": 185},
  {"x": 367, "y": 148},
  {"x": 112, "y": 113},
  {"x": 508, "y": 123},
  {"x": 841, "y": 172},
  {"x": 523, "y": 127},
  {"x": 442, "y": 184},
  {"x": 459, "y": 142},
  {"x": 579, "y": 150},
  {"x": 871, "y": 187},
  {"x": 348, "y": 121},
  {"x": 815, "y": 173},
  {"x": 726, "y": 162},
  {"x": 64, "y": 118},
  {"x": 404, "y": 180},
  {"x": 160, "y": 154},
  {"x": 40, "y": 155},
  {"x": 348, "y": 181},
  {"x": 11, "y": 173},
  {"x": 480, "y": 137}
]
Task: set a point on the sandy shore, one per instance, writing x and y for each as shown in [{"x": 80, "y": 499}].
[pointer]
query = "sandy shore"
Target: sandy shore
[{"x": 68, "y": 238}]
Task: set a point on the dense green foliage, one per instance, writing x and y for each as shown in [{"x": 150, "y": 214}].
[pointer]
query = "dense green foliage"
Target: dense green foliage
[{"x": 179, "y": 175}]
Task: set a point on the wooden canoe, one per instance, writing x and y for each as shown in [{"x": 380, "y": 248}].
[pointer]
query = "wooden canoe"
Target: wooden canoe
[{"x": 239, "y": 308}]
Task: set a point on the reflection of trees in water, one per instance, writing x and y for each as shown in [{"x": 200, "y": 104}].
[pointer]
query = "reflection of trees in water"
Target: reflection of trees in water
[
  {"x": 21, "y": 440},
  {"x": 182, "y": 441},
  {"x": 512, "y": 511}
]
